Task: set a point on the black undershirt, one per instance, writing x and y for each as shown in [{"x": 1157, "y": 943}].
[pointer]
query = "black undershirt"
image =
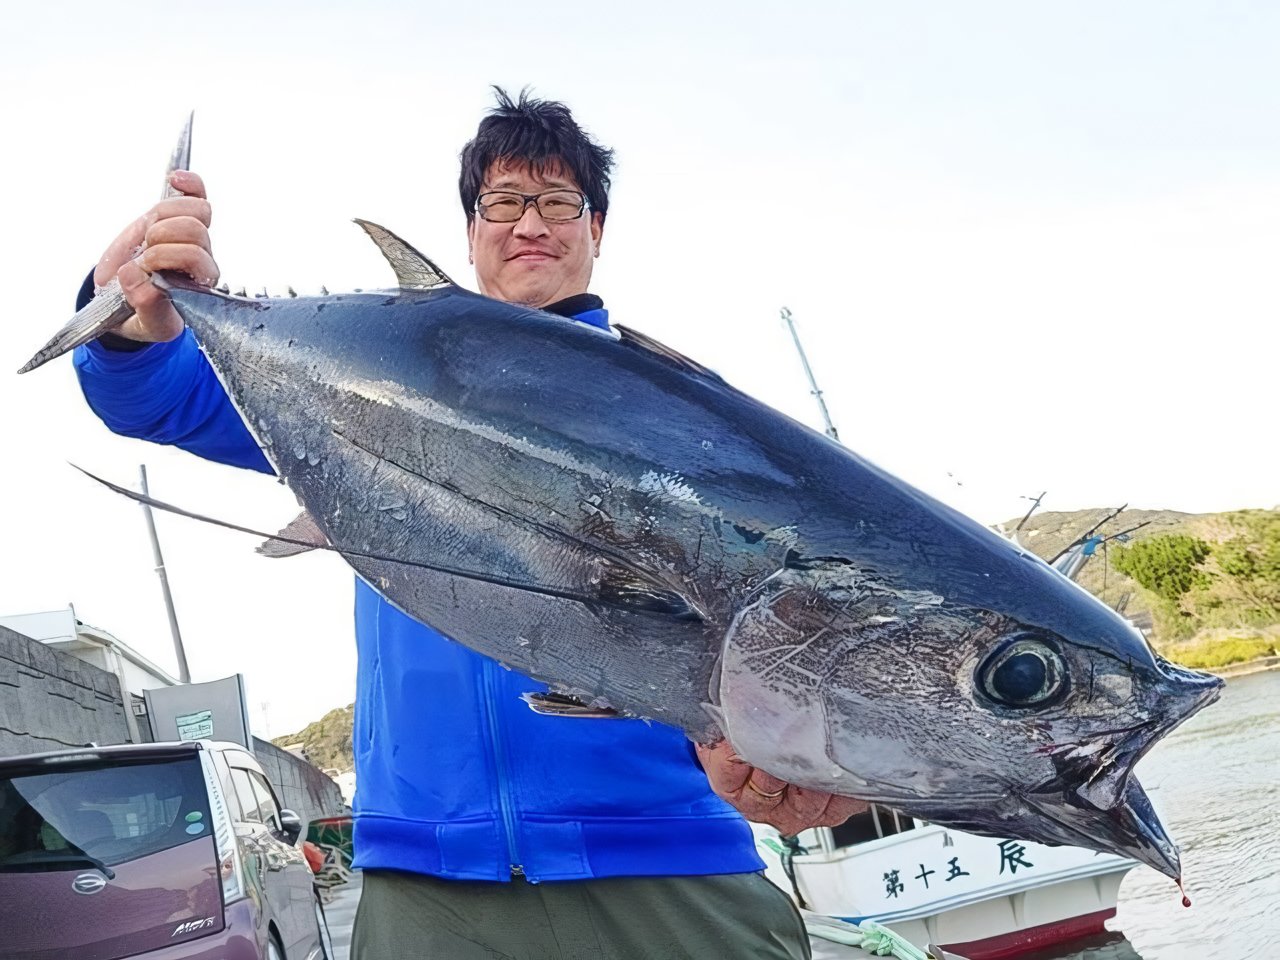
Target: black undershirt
[{"x": 572, "y": 306}]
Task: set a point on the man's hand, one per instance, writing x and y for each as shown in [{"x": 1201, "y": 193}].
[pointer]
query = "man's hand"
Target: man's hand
[
  {"x": 766, "y": 799},
  {"x": 176, "y": 234}
]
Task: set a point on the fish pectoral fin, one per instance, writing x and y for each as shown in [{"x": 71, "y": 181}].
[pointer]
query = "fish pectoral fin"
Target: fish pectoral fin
[
  {"x": 604, "y": 578},
  {"x": 413, "y": 270},
  {"x": 300, "y": 535},
  {"x": 629, "y": 589},
  {"x": 562, "y": 705}
]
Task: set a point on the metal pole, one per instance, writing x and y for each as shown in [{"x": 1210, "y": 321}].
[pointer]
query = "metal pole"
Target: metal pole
[
  {"x": 822, "y": 404},
  {"x": 1035, "y": 503},
  {"x": 184, "y": 674}
]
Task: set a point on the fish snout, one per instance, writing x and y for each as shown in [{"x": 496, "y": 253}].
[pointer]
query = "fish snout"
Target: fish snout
[{"x": 1187, "y": 692}]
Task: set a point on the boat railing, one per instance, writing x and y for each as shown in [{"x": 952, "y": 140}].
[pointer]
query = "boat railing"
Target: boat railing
[{"x": 876, "y": 823}]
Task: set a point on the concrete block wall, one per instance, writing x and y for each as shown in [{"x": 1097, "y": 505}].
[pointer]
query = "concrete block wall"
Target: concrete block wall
[
  {"x": 303, "y": 788},
  {"x": 49, "y": 700}
]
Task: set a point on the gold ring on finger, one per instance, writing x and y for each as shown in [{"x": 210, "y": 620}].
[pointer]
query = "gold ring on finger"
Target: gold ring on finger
[{"x": 767, "y": 795}]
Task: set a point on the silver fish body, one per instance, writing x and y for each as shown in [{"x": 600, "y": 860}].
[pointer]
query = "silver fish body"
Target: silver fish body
[{"x": 602, "y": 514}]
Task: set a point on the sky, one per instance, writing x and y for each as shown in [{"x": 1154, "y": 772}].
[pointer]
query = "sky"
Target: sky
[{"x": 1029, "y": 247}]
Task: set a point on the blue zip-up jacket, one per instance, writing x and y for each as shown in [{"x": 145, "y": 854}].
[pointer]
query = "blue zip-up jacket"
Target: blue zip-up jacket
[{"x": 456, "y": 776}]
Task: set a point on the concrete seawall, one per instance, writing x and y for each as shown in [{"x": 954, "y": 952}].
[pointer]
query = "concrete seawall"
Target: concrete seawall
[{"x": 1260, "y": 665}]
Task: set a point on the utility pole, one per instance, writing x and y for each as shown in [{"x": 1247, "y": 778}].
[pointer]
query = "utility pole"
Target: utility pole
[
  {"x": 184, "y": 674},
  {"x": 813, "y": 384}
]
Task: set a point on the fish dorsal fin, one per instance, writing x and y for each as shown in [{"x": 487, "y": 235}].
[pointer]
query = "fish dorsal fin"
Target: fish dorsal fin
[
  {"x": 413, "y": 270},
  {"x": 645, "y": 342}
]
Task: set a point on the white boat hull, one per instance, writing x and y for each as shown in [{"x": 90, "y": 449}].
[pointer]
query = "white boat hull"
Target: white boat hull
[{"x": 983, "y": 898}]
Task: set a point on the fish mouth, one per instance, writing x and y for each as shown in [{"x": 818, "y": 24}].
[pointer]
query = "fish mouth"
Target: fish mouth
[
  {"x": 1093, "y": 799},
  {"x": 1109, "y": 810},
  {"x": 1129, "y": 829},
  {"x": 1103, "y": 763}
]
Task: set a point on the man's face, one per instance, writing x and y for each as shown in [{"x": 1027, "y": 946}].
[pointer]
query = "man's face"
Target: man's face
[{"x": 533, "y": 262}]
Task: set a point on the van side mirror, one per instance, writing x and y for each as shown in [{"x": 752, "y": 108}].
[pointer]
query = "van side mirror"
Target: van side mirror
[{"x": 290, "y": 825}]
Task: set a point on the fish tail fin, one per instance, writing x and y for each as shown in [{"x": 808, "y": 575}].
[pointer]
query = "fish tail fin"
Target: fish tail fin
[
  {"x": 108, "y": 309},
  {"x": 180, "y": 159},
  {"x": 103, "y": 313}
]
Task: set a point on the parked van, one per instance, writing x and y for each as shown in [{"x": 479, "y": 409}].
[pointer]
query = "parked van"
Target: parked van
[{"x": 158, "y": 851}]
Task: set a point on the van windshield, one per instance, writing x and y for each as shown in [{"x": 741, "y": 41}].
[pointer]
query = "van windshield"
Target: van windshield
[{"x": 67, "y": 819}]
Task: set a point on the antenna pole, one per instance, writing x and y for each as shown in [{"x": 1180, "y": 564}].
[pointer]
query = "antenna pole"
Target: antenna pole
[
  {"x": 808, "y": 372},
  {"x": 184, "y": 673}
]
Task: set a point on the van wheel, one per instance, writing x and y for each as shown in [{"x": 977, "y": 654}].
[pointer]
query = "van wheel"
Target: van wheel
[{"x": 274, "y": 950}]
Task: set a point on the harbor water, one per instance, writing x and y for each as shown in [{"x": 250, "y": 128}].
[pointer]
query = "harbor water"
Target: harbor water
[{"x": 1216, "y": 783}]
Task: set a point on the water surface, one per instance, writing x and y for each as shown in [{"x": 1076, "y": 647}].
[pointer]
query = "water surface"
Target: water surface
[{"x": 1216, "y": 782}]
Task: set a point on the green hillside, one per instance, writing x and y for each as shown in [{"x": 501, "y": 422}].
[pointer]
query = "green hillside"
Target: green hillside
[{"x": 327, "y": 741}]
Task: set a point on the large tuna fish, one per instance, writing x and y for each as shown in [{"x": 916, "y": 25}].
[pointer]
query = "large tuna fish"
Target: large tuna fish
[{"x": 596, "y": 511}]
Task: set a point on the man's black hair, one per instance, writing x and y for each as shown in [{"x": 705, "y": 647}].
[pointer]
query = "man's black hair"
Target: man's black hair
[{"x": 541, "y": 133}]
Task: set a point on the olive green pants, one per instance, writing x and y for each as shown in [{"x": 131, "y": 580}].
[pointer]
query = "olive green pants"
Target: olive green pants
[{"x": 404, "y": 916}]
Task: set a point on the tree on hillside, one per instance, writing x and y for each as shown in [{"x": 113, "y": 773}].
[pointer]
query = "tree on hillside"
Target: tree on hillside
[
  {"x": 1169, "y": 566},
  {"x": 1250, "y": 561}
]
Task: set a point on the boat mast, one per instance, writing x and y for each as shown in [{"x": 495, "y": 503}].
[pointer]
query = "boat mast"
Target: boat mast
[{"x": 808, "y": 372}]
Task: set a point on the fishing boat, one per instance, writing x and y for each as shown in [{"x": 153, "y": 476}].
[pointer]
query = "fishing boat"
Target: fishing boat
[{"x": 979, "y": 897}]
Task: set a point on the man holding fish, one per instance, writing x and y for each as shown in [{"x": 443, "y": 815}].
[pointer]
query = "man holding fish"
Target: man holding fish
[{"x": 485, "y": 828}]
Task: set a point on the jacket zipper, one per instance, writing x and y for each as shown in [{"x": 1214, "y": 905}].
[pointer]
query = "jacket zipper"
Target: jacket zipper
[{"x": 500, "y": 752}]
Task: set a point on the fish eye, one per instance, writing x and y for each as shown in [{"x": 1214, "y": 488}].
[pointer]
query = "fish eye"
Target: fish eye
[{"x": 1024, "y": 671}]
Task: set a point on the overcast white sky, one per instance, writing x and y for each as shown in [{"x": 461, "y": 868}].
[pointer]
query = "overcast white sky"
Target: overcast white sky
[{"x": 1029, "y": 245}]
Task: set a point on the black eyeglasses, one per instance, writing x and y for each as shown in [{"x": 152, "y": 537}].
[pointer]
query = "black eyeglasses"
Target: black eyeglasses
[{"x": 554, "y": 206}]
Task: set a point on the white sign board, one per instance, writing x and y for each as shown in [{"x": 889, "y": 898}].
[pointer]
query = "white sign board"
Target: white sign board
[
  {"x": 195, "y": 726},
  {"x": 195, "y": 711}
]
